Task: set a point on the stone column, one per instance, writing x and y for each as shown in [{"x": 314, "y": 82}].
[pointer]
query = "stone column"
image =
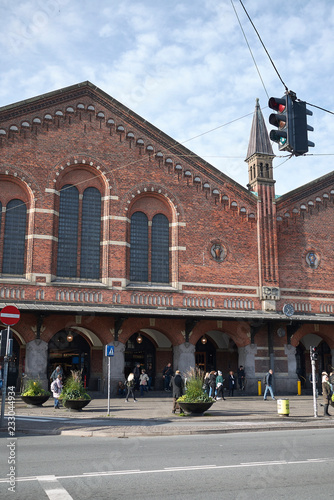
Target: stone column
[
  {"x": 36, "y": 361},
  {"x": 184, "y": 357},
  {"x": 289, "y": 383},
  {"x": 116, "y": 368},
  {"x": 247, "y": 360}
]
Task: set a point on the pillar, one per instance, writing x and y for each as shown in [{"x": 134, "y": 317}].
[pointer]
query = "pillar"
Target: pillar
[
  {"x": 116, "y": 368},
  {"x": 184, "y": 357},
  {"x": 288, "y": 382},
  {"x": 36, "y": 361},
  {"x": 247, "y": 360}
]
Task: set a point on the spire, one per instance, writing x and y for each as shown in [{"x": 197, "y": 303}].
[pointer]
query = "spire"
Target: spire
[{"x": 259, "y": 142}]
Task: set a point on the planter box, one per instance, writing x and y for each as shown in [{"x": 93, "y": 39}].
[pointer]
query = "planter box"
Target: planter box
[
  {"x": 195, "y": 408},
  {"x": 35, "y": 400},
  {"x": 76, "y": 404}
]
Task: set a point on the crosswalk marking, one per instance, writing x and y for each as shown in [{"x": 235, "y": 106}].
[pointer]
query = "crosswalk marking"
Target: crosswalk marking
[{"x": 53, "y": 488}]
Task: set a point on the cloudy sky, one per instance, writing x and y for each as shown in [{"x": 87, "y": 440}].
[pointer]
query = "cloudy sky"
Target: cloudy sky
[{"x": 184, "y": 66}]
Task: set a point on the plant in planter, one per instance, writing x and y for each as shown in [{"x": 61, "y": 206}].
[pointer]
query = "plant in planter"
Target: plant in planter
[
  {"x": 34, "y": 394},
  {"x": 195, "y": 400},
  {"x": 74, "y": 395}
]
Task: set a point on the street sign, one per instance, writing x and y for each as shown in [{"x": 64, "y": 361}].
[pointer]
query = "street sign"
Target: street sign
[
  {"x": 10, "y": 315},
  {"x": 109, "y": 350}
]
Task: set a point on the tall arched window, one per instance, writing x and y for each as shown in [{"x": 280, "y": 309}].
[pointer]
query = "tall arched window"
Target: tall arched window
[
  {"x": 90, "y": 234},
  {"x": 75, "y": 234},
  {"x": 160, "y": 249},
  {"x": 149, "y": 249},
  {"x": 68, "y": 232},
  {"x": 139, "y": 247},
  {"x": 14, "y": 238}
]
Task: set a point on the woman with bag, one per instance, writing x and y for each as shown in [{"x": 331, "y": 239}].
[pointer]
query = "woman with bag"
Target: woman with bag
[
  {"x": 326, "y": 393},
  {"x": 130, "y": 383},
  {"x": 219, "y": 386}
]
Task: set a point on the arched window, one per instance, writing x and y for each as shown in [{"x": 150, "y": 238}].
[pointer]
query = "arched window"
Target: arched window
[
  {"x": 68, "y": 232},
  {"x": 70, "y": 227},
  {"x": 90, "y": 234},
  {"x": 160, "y": 249},
  {"x": 139, "y": 247},
  {"x": 14, "y": 238},
  {"x": 149, "y": 249}
]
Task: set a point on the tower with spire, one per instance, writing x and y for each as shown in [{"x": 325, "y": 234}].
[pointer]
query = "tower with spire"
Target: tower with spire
[{"x": 261, "y": 181}]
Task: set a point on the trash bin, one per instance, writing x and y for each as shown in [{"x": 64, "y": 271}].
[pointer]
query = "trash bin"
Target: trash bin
[{"x": 283, "y": 407}]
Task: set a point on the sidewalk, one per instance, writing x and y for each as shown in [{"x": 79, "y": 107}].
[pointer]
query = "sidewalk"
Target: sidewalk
[{"x": 152, "y": 416}]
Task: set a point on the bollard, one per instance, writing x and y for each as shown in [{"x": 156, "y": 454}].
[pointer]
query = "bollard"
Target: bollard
[
  {"x": 283, "y": 407},
  {"x": 259, "y": 389},
  {"x": 299, "y": 388}
]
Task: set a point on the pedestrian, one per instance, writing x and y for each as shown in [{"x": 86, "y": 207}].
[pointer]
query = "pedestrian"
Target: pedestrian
[
  {"x": 130, "y": 383},
  {"x": 149, "y": 372},
  {"x": 220, "y": 386},
  {"x": 331, "y": 378},
  {"x": 136, "y": 373},
  {"x": 143, "y": 381},
  {"x": 269, "y": 386},
  {"x": 212, "y": 384},
  {"x": 57, "y": 371},
  {"x": 231, "y": 383},
  {"x": 167, "y": 373},
  {"x": 241, "y": 377},
  {"x": 121, "y": 389},
  {"x": 177, "y": 390},
  {"x": 56, "y": 388},
  {"x": 206, "y": 386},
  {"x": 326, "y": 393}
]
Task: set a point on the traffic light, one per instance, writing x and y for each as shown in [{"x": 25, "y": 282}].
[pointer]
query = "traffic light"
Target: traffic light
[
  {"x": 291, "y": 121},
  {"x": 301, "y": 128},
  {"x": 282, "y": 120},
  {"x": 313, "y": 353},
  {"x": 3, "y": 342}
]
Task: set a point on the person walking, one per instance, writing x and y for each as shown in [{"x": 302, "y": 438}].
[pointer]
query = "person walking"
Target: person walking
[
  {"x": 206, "y": 386},
  {"x": 143, "y": 382},
  {"x": 326, "y": 393},
  {"x": 177, "y": 390},
  {"x": 220, "y": 386},
  {"x": 136, "y": 373},
  {"x": 241, "y": 377},
  {"x": 231, "y": 383},
  {"x": 212, "y": 384},
  {"x": 130, "y": 383},
  {"x": 56, "y": 388},
  {"x": 167, "y": 373},
  {"x": 57, "y": 371},
  {"x": 269, "y": 386},
  {"x": 149, "y": 372}
]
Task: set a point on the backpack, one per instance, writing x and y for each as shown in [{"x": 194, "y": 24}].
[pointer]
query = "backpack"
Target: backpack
[
  {"x": 130, "y": 383},
  {"x": 54, "y": 386}
]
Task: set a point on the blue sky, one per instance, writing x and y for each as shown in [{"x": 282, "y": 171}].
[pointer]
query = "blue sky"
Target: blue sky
[{"x": 184, "y": 66}]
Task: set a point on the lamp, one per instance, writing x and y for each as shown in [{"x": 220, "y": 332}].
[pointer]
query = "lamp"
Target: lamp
[
  {"x": 139, "y": 339},
  {"x": 204, "y": 340},
  {"x": 69, "y": 337}
]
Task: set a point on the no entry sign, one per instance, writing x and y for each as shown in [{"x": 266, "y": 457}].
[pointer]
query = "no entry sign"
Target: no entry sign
[{"x": 10, "y": 315}]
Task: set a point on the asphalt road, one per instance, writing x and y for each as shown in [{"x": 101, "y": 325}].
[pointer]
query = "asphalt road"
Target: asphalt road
[{"x": 267, "y": 465}]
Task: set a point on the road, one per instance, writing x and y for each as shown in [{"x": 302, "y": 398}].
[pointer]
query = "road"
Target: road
[{"x": 239, "y": 466}]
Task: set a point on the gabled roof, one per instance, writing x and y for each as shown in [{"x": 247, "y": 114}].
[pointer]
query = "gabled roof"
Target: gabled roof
[{"x": 259, "y": 142}]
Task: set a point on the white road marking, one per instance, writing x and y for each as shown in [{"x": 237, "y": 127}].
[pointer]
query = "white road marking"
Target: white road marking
[
  {"x": 168, "y": 469},
  {"x": 53, "y": 489}
]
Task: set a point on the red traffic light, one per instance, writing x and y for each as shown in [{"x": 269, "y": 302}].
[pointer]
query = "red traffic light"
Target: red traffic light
[{"x": 277, "y": 104}]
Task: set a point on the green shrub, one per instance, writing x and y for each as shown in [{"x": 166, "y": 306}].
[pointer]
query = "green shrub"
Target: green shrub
[
  {"x": 194, "y": 386},
  {"x": 34, "y": 388},
  {"x": 73, "y": 388}
]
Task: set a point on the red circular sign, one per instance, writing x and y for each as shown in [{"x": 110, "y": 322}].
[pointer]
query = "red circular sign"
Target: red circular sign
[{"x": 10, "y": 315}]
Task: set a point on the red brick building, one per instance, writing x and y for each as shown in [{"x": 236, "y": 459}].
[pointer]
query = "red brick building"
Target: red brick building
[{"x": 113, "y": 233}]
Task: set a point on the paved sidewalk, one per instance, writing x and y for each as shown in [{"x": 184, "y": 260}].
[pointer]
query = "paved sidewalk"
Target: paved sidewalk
[{"x": 152, "y": 416}]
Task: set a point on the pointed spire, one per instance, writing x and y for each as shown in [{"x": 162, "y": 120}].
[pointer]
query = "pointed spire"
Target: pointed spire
[{"x": 259, "y": 141}]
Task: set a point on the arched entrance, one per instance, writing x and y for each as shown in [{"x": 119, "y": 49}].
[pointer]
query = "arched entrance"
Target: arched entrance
[
  {"x": 205, "y": 355},
  {"x": 219, "y": 353},
  {"x": 139, "y": 352},
  {"x": 71, "y": 350}
]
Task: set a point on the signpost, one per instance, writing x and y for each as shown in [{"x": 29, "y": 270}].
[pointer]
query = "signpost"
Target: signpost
[
  {"x": 109, "y": 352},
  {"x": 9, "y": 315}
]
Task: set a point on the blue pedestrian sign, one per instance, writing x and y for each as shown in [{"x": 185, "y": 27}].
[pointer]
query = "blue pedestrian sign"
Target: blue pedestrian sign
[{"x": 109, "y": 351}]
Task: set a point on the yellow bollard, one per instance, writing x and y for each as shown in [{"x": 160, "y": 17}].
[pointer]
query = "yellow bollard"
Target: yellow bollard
[
  {"x": 259, "y": 388},
  {"x": 299, "y": 388}
]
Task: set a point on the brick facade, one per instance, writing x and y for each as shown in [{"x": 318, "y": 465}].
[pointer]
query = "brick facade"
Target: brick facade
[{"x": 235, "y": 255}]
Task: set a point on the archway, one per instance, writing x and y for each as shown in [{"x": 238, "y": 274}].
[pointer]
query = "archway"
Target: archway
[
  {"x": 71, "y": 350},
  {"x": 139, "y": 352}
]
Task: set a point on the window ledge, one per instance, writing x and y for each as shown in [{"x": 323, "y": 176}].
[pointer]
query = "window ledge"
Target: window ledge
[
  {"x": 151, "y": 288},
  {"x": 78, "y": 283}
]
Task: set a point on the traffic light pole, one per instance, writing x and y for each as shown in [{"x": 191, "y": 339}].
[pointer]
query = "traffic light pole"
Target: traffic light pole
[
  {"x": 5, "y": 378},
  {"x": 315, "y": 406}
]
